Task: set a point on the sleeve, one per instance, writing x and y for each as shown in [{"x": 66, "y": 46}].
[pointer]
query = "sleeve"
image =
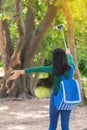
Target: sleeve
[
  {"x": 70, "y": 61},
  {"x": 46, "y": 69}
]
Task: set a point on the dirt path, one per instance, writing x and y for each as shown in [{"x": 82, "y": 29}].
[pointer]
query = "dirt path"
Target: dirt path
[{"x": 33, "y": 115}]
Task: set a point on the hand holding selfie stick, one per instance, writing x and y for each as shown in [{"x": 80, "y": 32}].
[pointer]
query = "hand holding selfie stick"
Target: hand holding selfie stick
[{"x": 61, "y": 27}]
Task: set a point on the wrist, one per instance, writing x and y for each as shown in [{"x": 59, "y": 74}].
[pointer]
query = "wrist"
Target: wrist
[
  {"x": 68, "y": 51},
  {"x": 22, "y": 71}
]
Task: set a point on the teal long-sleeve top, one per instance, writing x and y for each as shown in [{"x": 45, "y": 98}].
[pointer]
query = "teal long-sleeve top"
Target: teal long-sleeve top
[{"x": 49, "y": 69}]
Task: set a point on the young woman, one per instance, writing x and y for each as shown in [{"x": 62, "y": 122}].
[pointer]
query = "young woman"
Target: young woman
[{"x": 61, "y": 66}]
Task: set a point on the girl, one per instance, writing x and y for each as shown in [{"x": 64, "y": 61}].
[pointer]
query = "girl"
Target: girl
[{"x": 61, "y": 66}]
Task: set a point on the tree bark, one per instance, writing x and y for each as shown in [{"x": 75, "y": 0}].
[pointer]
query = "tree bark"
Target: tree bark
[
  {"x": 15, "y": 59},
  {"x": 35, "y": 79},
  {"x": 70, "y": 28}
]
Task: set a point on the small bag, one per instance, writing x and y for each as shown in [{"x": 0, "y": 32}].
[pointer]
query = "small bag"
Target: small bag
[{"x": 69, "y": 93}]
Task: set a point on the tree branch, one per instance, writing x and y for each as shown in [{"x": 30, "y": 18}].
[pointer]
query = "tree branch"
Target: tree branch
[
  {"x": 19, "y": 20},
  {"x": 82, "y": 41},
  {"x": 21, "y": 30},
  {"x": 29, "y": 30},
  {"x": 6, "y": 47},
  {"x": 39, "y": 33}
]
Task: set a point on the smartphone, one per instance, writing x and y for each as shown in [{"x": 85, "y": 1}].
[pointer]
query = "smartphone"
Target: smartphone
[{"x": 60, "y": 26}]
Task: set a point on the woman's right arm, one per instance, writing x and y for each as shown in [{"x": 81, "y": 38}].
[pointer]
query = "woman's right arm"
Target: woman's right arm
[
  {"x": 16, "y": 73},
  {"x": 70, "y": 58}
]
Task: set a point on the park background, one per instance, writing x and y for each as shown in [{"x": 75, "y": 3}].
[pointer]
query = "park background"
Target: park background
[{"x": 27, "y": 39}]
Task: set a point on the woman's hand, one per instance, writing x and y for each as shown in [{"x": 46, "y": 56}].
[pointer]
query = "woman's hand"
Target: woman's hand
[
  {"x": 15, "y": 74},
  {"x": 68, "y": 51}
]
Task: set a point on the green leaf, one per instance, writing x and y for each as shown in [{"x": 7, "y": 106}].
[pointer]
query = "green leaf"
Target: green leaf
[{"x": 58, "y": 2}]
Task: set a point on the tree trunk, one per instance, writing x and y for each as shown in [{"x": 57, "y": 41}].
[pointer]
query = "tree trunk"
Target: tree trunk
[
  {"x": 71, "y": 39},
  {"x": 6, "y": 50},
  {"x": 35, "y": 79}
]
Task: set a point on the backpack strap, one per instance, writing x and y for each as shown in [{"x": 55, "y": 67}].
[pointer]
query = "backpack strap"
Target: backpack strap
[{"x": 70, "y": 75}]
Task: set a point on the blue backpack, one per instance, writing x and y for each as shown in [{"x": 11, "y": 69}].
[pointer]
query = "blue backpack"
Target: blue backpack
[{"x": 69, "y": 93}]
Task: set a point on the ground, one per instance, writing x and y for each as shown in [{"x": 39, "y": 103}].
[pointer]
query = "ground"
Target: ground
[{"x": 33, "y": 114}]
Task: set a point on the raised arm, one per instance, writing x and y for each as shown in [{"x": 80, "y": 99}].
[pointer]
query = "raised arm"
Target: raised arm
[{"x": 70, "y": 58}]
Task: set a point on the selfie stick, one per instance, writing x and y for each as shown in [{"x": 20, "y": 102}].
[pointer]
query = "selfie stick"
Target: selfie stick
[{"x": 61, "y": 27}]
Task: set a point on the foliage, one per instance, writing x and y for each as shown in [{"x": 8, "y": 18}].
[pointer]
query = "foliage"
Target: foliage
[
  {"x": 42, "y": 92},
  {"x": 52, "y": 38}
]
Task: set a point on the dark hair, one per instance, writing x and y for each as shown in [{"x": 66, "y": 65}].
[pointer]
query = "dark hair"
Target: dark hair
[{"x": 60, "y": 63}]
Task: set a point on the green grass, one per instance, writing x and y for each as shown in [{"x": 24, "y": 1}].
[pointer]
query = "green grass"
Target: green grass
[{"x": 42, "y": 92}]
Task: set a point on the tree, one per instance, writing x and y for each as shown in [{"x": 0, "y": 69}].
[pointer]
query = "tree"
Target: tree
[
  {"x": 71, "y": 38},
  {"x": 21, "y": 54},
  {"x": 71, "y": 41},
  {"x": 27, "y": 45}
]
